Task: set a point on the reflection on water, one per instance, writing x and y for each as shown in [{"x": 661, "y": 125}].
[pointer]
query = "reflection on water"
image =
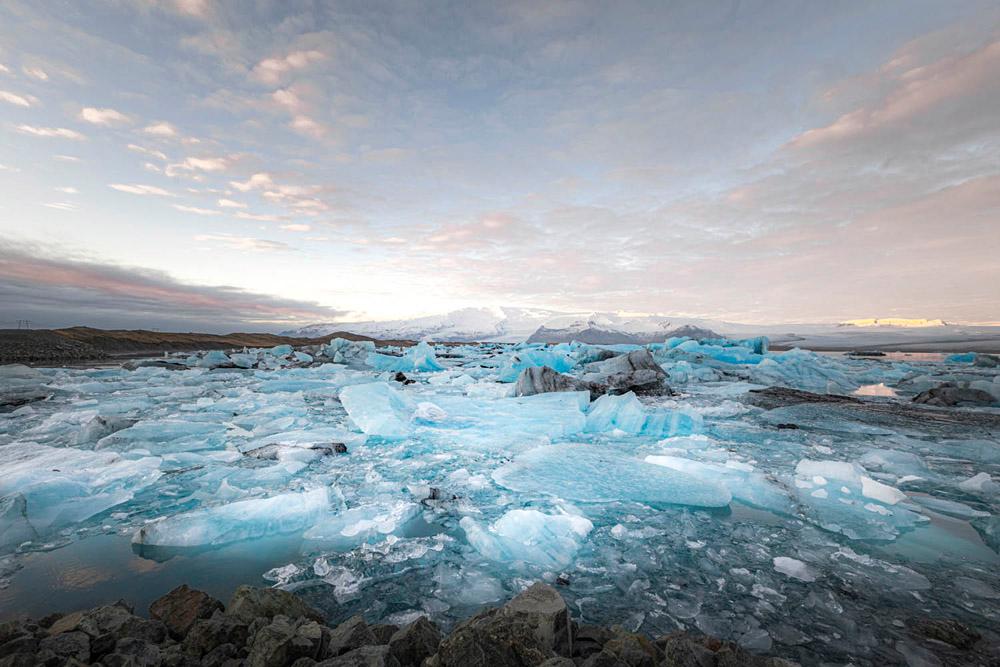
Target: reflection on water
[
  {"x": 875, "y": 390},
  {"x": 102, "y": 569}
]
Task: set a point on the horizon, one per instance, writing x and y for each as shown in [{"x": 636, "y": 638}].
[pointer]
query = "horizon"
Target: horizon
[{"x": 193, "y": 164}]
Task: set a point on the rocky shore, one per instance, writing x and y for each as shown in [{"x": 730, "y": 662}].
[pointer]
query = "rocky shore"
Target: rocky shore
[{"x": 268, "y": 627}]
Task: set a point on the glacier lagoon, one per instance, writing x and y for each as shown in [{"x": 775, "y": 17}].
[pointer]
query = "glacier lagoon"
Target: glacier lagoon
[{"x": 397, "y": 483}]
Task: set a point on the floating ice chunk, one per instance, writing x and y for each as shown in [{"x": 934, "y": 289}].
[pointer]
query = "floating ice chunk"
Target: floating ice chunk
[
  {"x": 896, "y": 462},
  {"x": 214, "y": 359},
  {"x": 303, "y": 357},
  {"x": 166, "y": 435},
  {"x": 980, "y": 483},
  {"x": 282, "y": 514},
  {"x": 546, "y": 540},
  {"x": 977, "y": 588},
  {"x": 602, "y": 474},
  {"x": 14, "y": 525},
  {"x": 366, "y": 523},
  {"x": 64, "y": 485},
  {"x": 627, "y": 414},
  {"x": 794, "y": 568},
  {"x": 378, "y": 409},
  {"x": 852, "y": 503},
  {"x": 561, "y": 362},
  {"x": 745, "y": 485},
  {"x": 420, "y": 357},
  {"x": 429, "y": 412},
  {"x": 961, "y": 358},
  {"x": 949, "y": 507},
  {"x": 281, "y": 351},
  {"x": 879, "y": 572}
]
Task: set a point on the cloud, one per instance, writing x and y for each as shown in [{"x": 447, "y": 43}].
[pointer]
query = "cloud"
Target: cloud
[
  {"x": 68, "y": 190},
  {"x": 245, "y": 243},
  {"x": 307, "y": 126},
  {"x": 229, "y": 203},
  {"x": 53, "y": 289},
  {"x": 196, "y": 8},
  {"x": 296, "y": 227},
  {"x": 36, "y": 73},
  {"x": 17, "y": 100},
  {"x": 196, "y": 210},
  {"x": 67, "y": 158},
  {"x": 255, "y": 182},
  {"x": 271, "y": 70},
  {"x": 257, "y": 217},
  {"x": 4, "y": 69},
  {"x": 160, "y": 155},
  {"x": 161, "y": 129},
  {"x": 138, "y": 189},
  {"x": 103, "y": 116},
  {"x": 56, "y": 132},
  {"x": 61, "y": 206},
  {"x": 195, "y": 164}
]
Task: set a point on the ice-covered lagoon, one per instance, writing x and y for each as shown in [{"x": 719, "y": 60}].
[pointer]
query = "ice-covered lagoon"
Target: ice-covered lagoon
[{"x": 699, "y": 510}]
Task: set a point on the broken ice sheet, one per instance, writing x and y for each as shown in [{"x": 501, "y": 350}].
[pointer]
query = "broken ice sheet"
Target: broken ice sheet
[{"x": 528, "y": 535}]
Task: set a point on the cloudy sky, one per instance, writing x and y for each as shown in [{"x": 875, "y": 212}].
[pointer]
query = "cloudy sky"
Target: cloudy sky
[{"x": 249, "y": 164}]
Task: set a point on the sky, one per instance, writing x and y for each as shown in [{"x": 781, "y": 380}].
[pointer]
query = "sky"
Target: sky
[{"x": 254, "y": 164}]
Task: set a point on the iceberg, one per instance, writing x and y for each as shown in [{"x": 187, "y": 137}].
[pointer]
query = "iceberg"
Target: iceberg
[
  {"x": 378, "y": 409},
  {"x": 420, "y": 357},
  {"x": 342, "y": 351},
  {"x": 625, "y": 413},
  {"x": 281, "y": 514},
  {"x": 745, "y": 485},
  {"x": 366, "y": 523},
  {"x": 590, "y": 473},
  {"x": 547, "y": 540}
]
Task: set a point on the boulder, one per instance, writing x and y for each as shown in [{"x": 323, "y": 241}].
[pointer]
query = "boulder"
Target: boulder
[
  {"x": 131, "y": 652},
  {"x": 625, "y": 649},
  {"x": 415, "y": 642},
  {"x": 67, "y": 645},
  {"x": 349, "y": 635},
  {"x": 365, "y": 656},
  {"x": 383, "y": 632},
  {"x": 208, "y": 633},
  {"x": 284, "y": 641},
  {"x": 951, "y": 395},
  {"x": 181, "y": 607},
  {"x": 249, "y": 603},
  {"x": 543, "y": 607}
]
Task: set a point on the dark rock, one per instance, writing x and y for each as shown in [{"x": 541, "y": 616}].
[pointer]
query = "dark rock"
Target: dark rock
[
  {"x": 491, "y": 639},
  {"x": 220, "y": 655},
  {"x": 280, "y": 644},
  {"x": 19, "y": 660},
  {"x": 788, "y": 427},
  {"x": 625, "y": 649},
  {"x": 541, "y": 606},
  {"x": 951, "y": 395},
  {"x": 589, "y": 639},
  {"x": 349, "y": 635},
  {"x": 208, "y": 633},
  {"x": 13, "y": 629},
  {"x": 367, "y": 656},
  {"x": 152, "y": 631},
  {"x": 249, "y": 603},
  {"x": 181, "y": 607},
  {"x": 383, "y": 632},
  {"x": 131, "y": 652},
  {"x": 417, "y": 641},
  {"x": 780, "y": 397},
  {"x": 562, "y": 580},
  {"x": 543, "y": 380},
  {"x": 558, "y": 662},
  {"x": 948, "y": 631},
  {"x": 19, "y": 644},
  {"x": 339, "y": 448},
  {"x": 400, "y": 377},
  {"x": 74, "y": 644}
]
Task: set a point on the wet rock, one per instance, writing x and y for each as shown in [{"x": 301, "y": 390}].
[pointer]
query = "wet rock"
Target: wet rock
[
  {"x": 948, "y": 631},
  {"x": 415, "y": 642},
  {"x": 951, "y": 395},
  {"x": 490, "y": 638},
  {"x": 67, "y": 645},
  {"x": 787, "y": 427},
  {"x": 208, "y": 633},
  {"x": 249, "y": 603},
  {"x": 400, "y": 377},
  {"x": 20, "y": 644},
  {"x": 589, "y": 639},
  {"x": 383, "y": 632},
  {"x": 349, "y": 635},
  {"x": 220, "y": 655},
  {"x": 281, "y": 643},
  {"x": 339, "y": 448},
  {"x": 181, "y": 607},
  {"x": 131, "y": 652},
  {"x": 625, "y": 649},
  {"x": 365, "y": 656},
  {"x": 541, "y": 606},
  {"x": 543, "y": 380}
]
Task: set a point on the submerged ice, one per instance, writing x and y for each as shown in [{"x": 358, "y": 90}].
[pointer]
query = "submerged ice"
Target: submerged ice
[{"x": 666, "y": 495}]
